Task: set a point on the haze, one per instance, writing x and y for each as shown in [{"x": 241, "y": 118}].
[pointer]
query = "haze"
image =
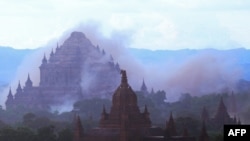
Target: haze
[{"x": 168, "y": 24}]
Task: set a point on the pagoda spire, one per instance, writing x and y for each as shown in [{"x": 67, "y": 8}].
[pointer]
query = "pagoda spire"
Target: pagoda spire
[
  {"x": 203, "y": 135},
  {"x": 44, "y": 61},
  {"x": 19, "y": 88},
  {"x": 28, "y": 82},
  {"x": 222, "y": 115},
  {"x": 170, "y": 126},
  {"x": 144, "y": 87},
  {"x": 10, "y": 101},
  {"x": 125, "y": 112},
  {"x": 124, "y": 80},
  {"x": 10, "y": 95},
  {"x": 51, "y": 59},
  {"x": 78, "y": 132}
]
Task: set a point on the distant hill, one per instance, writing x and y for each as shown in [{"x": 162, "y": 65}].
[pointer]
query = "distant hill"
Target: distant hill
[
  {"x": 11, "y": 58},
  {"x": 239, "y": 56}
]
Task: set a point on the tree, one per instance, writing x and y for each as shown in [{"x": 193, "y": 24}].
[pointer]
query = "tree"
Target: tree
[
  {"x": 25, "y": 134},
  {"x": 46, "y": 133},
  {"x": 28, "y": 119},
  {"x": 65, "y": 135}
]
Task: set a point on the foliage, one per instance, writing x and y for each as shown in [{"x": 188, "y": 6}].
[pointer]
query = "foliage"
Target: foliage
[
  {"x": 65, "y": 135},
  {"x": 46, "y": 133},
  {"x": 92, "y": 108}
]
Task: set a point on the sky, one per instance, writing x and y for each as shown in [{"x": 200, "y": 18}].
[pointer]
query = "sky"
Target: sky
[{"x": 158, "y": 24}]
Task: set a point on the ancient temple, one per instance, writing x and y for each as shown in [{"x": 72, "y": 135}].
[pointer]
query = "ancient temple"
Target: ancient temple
[
  {"x": 203, "y": 135},
  {"x": 77, "y": 69},
  {"x": 221, "y": 115},
  {"x": 124, "y": 103},
  {"x": 125, "y": 122},
  {"x": 144, "y": 88},
  {"x": 220, "y": 118}
]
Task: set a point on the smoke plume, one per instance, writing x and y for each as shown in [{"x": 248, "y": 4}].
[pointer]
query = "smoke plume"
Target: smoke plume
[
  {"x": 203, "y": 73},
  {"x": 200, "y": 74}
]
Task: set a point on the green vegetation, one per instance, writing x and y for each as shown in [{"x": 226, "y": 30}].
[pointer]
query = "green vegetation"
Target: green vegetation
[{"x": 32, "y": 125}]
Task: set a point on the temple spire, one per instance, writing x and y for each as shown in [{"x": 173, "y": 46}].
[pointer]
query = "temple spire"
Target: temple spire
[
  {"x": 78, "y": 133},
  {"x": 44, "y": 61},
  {"x": 19, "y": 88},
  {"x": 222, "y": 115},
  {"x": 170, "y": 127},
  {"x": 10, "y": 101},
  {"x": 28, "y": 82},
  {"x": 10, "y": 95},
  {"x": 124, "y": 80},
  {"x": 144, "y": 87},
  {"x": 203, "y": 135}
]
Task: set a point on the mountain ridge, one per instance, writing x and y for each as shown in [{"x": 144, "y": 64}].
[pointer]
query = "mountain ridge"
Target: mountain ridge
[{"x": 11, "y": 58}]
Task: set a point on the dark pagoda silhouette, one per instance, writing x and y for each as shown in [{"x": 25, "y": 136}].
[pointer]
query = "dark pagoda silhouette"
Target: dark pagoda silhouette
[
  {"x": 125, "y": 122},
  {"x": 75, "y": 70},
  {"x": 203, "y": 135},
  {"x": 144, "y": 88},
  {"x": 124, "y": 103},
  {"x": 221, "y": 116}
]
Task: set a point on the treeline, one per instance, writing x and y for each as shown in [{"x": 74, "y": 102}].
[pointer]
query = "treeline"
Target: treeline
[
  {"x": 46, "y": 133},
  {"x": 186, "y": 112}
]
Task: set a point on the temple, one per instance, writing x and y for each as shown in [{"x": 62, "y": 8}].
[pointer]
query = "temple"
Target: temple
[
  {"x": 126, "y": 122},
  {"x": 75, "y": 70},
  {"x": 144, "y": 88},
  {"x": 220, "y": 117}
]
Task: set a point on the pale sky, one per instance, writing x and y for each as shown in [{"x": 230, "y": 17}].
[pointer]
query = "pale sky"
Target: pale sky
[{"x": 155, "y": 24}]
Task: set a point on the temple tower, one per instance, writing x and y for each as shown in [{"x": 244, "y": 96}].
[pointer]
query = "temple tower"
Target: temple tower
[
  {"x": 203, "y": 135},
  {"x": 144, "y": 88},
  {"x": 10, "y": 100},
  {"x": 170, "y": 127},
  {"x": 222, "y": 115},
  {"x": 78, "y": 132},
  {"x": 124, "y": 106}
]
